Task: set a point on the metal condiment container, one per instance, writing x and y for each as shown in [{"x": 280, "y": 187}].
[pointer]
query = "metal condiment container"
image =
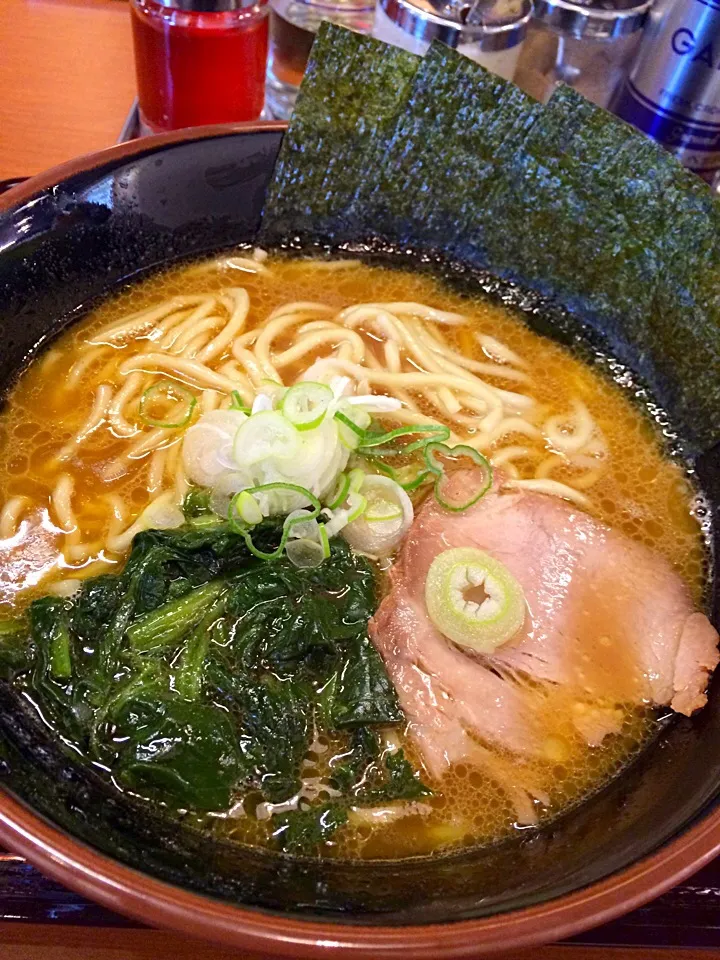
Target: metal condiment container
[
  {"x": 589, "y": 46},
  {"x": 672, "y": 92},
  {"x": 491, "y": 33}
]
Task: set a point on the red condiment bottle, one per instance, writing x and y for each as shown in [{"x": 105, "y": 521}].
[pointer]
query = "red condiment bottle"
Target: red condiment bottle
[{"x": 199, "y": 61}]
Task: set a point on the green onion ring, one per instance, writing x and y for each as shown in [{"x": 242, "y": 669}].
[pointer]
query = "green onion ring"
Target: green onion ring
[
  {"x": 460, "y": 450},
  {"x": 339, "y": 494},
  {"x": 166, "y": 388},
  {"x": 238, "y": 403},
  {"x": 237, "y": 525}
]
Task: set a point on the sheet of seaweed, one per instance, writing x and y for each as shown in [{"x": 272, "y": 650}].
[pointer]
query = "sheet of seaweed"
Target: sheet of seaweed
[
  {"x": 456, "y": 117},
  {"x": 576, "y": 243},
  {"x": 351, "y": 92},
  {"x": 565, "y": 199}
]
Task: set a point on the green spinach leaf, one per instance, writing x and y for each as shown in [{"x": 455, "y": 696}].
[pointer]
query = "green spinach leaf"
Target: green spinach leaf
[
  {"x": 200, "y": 671},
  {"x": 302, "y": 831}
]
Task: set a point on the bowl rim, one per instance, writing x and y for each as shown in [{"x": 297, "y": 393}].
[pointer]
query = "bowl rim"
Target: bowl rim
[
  {"x": 129, "y": 149},
  {"x": 127, "y": 891}
]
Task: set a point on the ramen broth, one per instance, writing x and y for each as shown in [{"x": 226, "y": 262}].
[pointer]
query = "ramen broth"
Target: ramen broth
[{"x": 633, "y": 486}]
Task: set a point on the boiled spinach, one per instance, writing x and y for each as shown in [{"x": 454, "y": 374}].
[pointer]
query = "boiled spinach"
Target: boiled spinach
[
  {"x": 303, "y": 830},
  {"x": 200, "y": 672}
]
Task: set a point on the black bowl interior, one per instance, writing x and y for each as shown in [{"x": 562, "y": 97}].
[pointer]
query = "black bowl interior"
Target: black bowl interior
[{"x": 69, "y": 245}]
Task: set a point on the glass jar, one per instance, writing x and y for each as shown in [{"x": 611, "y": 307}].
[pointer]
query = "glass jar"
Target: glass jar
[
  {"x": 199, "y": 61},
  {"x": 491, "y": 32},
  {"x": 588, "y": 46},
  {"x": 293, "y": 25}
]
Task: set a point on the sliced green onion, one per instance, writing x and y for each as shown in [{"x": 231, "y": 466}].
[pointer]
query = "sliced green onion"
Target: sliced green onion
[
  {"x": 261, "y": 403},
  {"x": 484, "y": 473},
  {"x": 305, "y": 553},
  {"x": 347, "y": 484},
  {"x": 307, "y": 529},
  {"x": 265, "y": 435},
  {"x": 248, "y": 508},
  {"x": 357, "y": 504},
  {"x": 351, "y": 434},
  {"x": 386, "y": 519},
  {"x": 482, "y": 624},
  {"x": 373, "y": 440},
  {"x": 306, "y": 404},
  {"x": 424, "y": 476},
  {"x": 166, "y": 391},
  {"x": 324, "y": 541},
  {"x": 340, "y": 493},
  {"x": 379, "y": 510},
  {"x": 409, "y": 478},
  {"x": 238, "y": 403},
  {"x": 357, "y": 479},
  {"x": 238, "y": 525}
]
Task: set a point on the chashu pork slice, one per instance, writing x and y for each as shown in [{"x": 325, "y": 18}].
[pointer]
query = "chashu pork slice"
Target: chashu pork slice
[{"x": 607, "y": 621}]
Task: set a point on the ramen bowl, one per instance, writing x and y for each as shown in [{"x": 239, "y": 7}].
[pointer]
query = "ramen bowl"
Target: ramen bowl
[{"x": 70, "y": 237}]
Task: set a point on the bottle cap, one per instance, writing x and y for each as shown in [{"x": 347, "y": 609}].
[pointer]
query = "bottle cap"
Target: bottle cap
[
  {"x": 491, "y": 24},
  {"x": 596, "y": 20}
]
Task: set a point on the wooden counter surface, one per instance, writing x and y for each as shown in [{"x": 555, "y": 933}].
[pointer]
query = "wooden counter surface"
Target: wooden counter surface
[{"x": 67, "y": 80}]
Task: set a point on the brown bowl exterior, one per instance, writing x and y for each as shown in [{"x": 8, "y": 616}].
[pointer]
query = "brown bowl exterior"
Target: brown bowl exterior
[
  {"x": 275, "y": 932},
  {"x": 143, "y": 898}
]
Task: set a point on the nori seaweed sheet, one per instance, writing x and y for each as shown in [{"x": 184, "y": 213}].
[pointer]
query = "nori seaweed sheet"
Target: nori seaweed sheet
[
  {"x": 446, "y": 131},
  {"x": 352, "y": 89},
  {"x": 566, "y": 199}
]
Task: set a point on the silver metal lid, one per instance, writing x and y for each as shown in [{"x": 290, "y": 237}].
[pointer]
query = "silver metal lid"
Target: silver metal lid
[
  {"x": 492, "y": 24},
  {"x": 597, "y": 20},
  {"x": 209, "y": 6}
]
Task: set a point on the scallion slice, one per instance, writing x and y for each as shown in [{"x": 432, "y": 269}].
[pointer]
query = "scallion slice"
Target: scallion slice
[
  {"x": 379, "y": 510},
  {"x": 308, "y": 529},
  {"x": 324, "y": 541},
  {"x": 351, "y": 429},
  {"x": 237, "y": 403},
  {"x": 240, "y": 526},
  {"x": 408, "y": 477},
  {"x": 167, "y": 404},
  {"x": 473, "y": 599},
  {"x": 264, "y": 435},
  {"x": 340, "y": 492},
  {"x": 305, "y": 553},
  {"x": 387, "y": 517},
  {"x": 483, "y": 473},
  {"x": 306, "y": 404},
  {"x": 375, "y": 442},
  {"x": 357, "y": 505},
  {"x": 357, "y": 479},
  {"x": 248, "y": 508}
]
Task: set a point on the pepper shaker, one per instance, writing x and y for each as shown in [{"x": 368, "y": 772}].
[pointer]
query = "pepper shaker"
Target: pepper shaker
[
  {"x": 588, "y": 46},
  {"x": 492, "y": 38}
]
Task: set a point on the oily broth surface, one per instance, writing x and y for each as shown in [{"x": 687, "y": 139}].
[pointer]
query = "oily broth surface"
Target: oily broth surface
[{"x": 641, "y": 493}]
